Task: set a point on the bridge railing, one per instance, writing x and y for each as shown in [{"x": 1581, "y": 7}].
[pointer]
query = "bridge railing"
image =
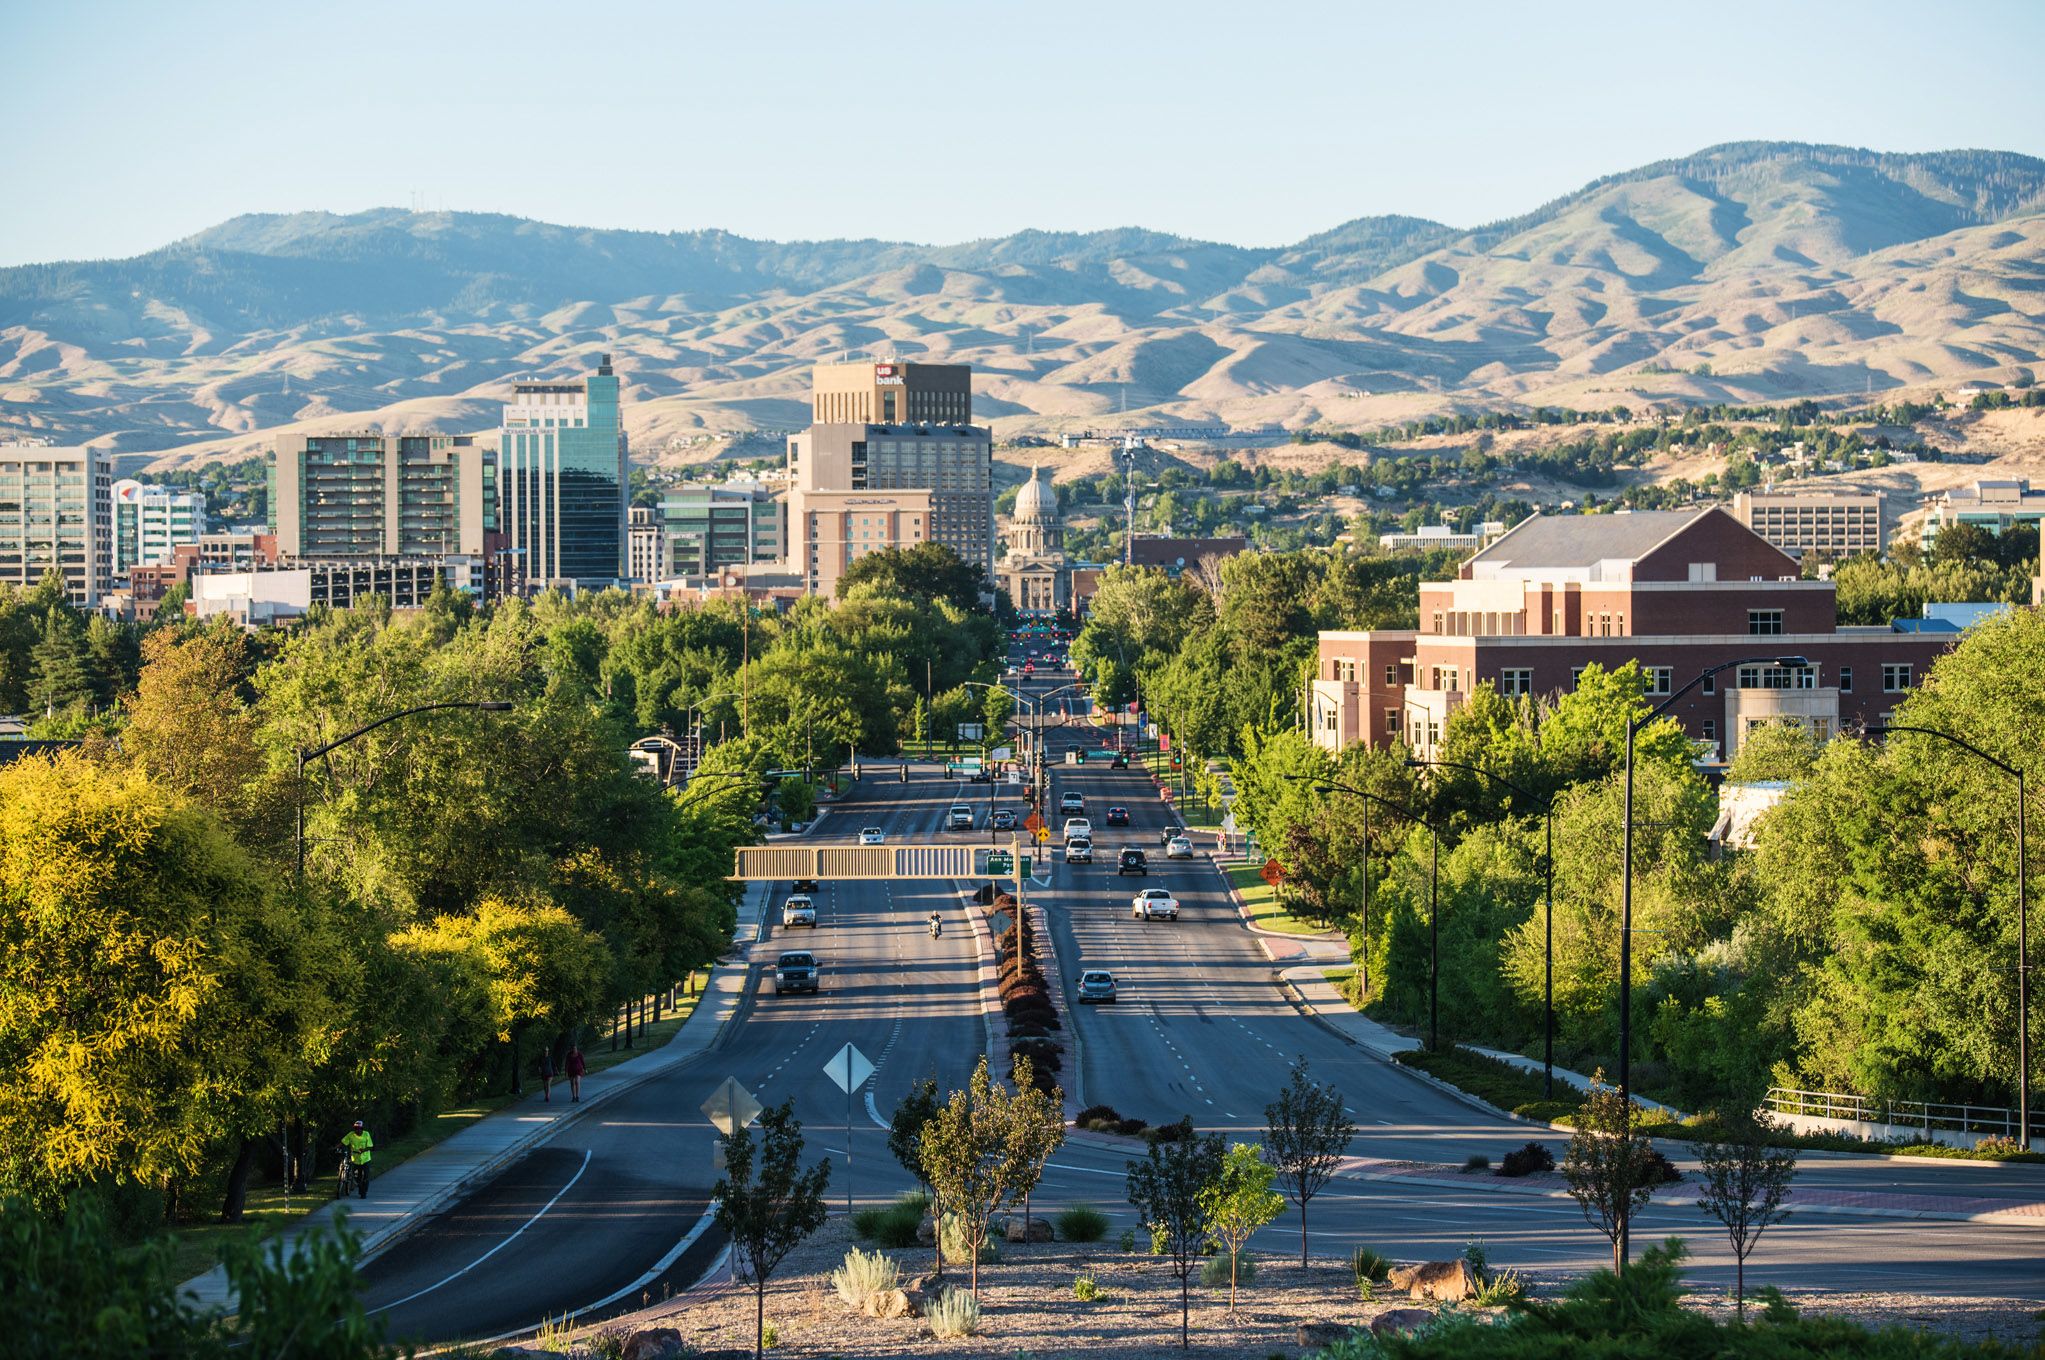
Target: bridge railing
[{"x": 1927, "y": 1115}]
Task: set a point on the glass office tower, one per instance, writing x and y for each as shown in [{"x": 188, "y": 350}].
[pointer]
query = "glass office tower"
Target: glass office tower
[{"x": 562, "y": 491}]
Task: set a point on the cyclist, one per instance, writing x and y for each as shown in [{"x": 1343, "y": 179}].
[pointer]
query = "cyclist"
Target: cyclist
[{"x": 356, "y": 1145}]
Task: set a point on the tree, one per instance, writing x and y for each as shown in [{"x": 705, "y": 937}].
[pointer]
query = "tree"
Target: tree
[
  {"x": 1305, "y": 1132},
  {"x": 1036, "y": 1129},
  {"x": 905, "y": 1132},
  {"x": 797, "y": 798},
  {"x": 1783, "y": 749},
  {"x": 929, "y": 571},
  {"x": 1238, "y": 1202},
  {"x": 1745, "y": 1183},
  {"x": 157, "y": 1002},
  {"x": 1609, "y": 1165},
  {"x": 769, "y": 1214},
  {"x": 59, "y": 678},
  {"x": 969, "y": 1159},
  {"x": 1167, "y": 1190}
]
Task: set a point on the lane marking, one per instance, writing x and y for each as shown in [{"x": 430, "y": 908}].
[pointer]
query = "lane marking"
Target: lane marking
[
  {"x": 659, "y": 1268},
  {"x": 499, "y": 1247}
]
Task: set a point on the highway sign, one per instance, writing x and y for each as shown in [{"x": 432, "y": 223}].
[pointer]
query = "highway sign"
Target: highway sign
[
  {"x": 999, "y": 862},
  {"x": 731, "y": 1107},
  {"x": 1042, "y": 833},
  {"x": 1001, "y": 753},
  {"x": 849, "y": 1068},
  {"x": 1033, "y": 822}
]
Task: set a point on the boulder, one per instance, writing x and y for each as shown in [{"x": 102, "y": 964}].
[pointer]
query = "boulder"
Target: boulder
[
  {"x": 926, "y": 1232},
  {"x": 920, "y": 1293},
  {"x": 1039, "y": 1230},
  {"x": 1442, "y": 1281},
  {"x": 889, "y": 1303},
  {"x": 1400, "y": 1320},
  {"x": 654, "y": 1343},
  {"x": 1318, "y": 1336}
]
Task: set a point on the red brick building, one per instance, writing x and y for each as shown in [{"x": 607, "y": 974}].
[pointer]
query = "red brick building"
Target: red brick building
[{"x": 1679, "y": 591}]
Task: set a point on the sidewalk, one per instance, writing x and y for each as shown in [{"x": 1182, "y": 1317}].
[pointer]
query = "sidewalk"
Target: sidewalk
[{"x": 422, "y": 1185}]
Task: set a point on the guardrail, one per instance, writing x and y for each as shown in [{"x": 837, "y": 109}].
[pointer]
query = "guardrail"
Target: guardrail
[{"x": 1979, "y": 1119}]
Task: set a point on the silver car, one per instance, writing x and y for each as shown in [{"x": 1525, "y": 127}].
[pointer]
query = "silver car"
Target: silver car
[{"x": 1097, "y": 987}]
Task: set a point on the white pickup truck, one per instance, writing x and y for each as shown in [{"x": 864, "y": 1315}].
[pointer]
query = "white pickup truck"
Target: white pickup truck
[{"x": 1154, "y": 904}]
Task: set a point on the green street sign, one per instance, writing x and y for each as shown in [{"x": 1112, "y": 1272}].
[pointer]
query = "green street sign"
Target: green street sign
[
  {"x": 1026, "y": 866},
  {"x": 1000, "y": 862}
]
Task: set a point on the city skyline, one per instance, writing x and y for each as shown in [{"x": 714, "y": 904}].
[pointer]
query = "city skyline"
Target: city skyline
[{"x": 1104, "y": 120}]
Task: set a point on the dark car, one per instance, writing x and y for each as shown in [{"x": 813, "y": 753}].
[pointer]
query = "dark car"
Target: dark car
[
  {"x": 1004, "y": 820},
  {"x": 1132, "y": 861},
  {"x": 796, "y": 971},
  {"x": 983, "y": 775},
  {"x": 1118, "y": 816},
  {"x": 1165, "y": 836},
  {"x": 808, "y": 887}
]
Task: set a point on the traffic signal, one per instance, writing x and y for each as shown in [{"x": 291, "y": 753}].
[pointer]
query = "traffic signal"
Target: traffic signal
[
  {"x": 1082, "y": 758},
  {"x": 1176, "y": 758}
]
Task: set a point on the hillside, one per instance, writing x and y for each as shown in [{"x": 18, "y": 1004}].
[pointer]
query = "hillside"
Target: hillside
[{"x": 1747, "y": 272}]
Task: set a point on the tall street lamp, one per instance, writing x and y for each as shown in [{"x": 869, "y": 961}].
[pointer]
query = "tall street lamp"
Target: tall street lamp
[
  {"x": 1548, "y": 926},
  {"x": 1633, "y": 729},
  {"x": 315, "y": 752},
  {"x": 1433, "y": 894},
  {"x": 2023, "y": 919}
]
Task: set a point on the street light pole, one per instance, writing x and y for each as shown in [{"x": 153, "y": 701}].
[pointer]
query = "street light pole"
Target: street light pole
[
  {"x": 1433, "y": 891},
  {"x": 1548, "y": 926},
  {"x": 2023, "y": 919},
  {"x": 1633, "y": 729},
  {"x": 315, "y": 752}
]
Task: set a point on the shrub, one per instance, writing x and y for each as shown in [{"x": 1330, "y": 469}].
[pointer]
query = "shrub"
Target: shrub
[
  {"x": 952, "y": 1238},
  {"x": 1082, "y": 1223},
  {"x": 1500, "y": 1290},
  {"x": 1087, "y": 1289},
  {"x": 955, "y": 1314},
  {"x": 1027, "y": 1030},
  {"x": 864, "y": 1275},
  {"x": 770, "y": 1337},
  {"x": 1995, "y": 1145},
  {"x": 1166, "y": 1133},
  {"x": 1131, "y": 1128},
  {"x": 1527, "y": 1161},
  {"x": 1660, "y": 1170},
  {"x": 607, "y": 1344},
  {"x": 1214, "y": 1271},
  {"x": 893, "y": 1225},
  {"x": 1369, "y": 1266},
  {"x": 1478, "y": 1257},
  {"x": 1476, "y": 1161},
  {"x": 1104, "y": 1113},
  {"x": 1127, "y": 1241}
]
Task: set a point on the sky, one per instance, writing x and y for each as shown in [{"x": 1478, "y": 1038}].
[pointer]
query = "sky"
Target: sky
[{"x": 132, "y": 123}]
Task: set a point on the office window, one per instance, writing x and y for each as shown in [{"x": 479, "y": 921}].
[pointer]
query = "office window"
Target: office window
[
  {"x": 1660, "y": 679},
  {"x": 1391, "y": 721},
  {"x": 1516, "y": 682},
  {"x": 1710, "y": 684},
  {"x": 1575, "y": 676},
  {"x": 1392, "y": 675},
  {"x": 1764, "y": 622},
  {"x": 1710, "y": 728},
  {"x": 1437, "y": 621},
  {"x": 1846, "y": 679},
  {"x": 1895, "y": 678}
]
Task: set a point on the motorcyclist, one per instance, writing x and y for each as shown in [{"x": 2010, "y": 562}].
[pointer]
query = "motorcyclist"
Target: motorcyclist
[
  {"x": 936, "y": 925},
  {"x": 356, "y": 1146}
]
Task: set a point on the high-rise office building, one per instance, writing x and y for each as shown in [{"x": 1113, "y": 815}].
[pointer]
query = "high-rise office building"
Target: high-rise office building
[
  {"x": 152, "y": 522},
  {"x": 56, "y": 510},
  {"x": 950, "y": 460},
  {"x": 361, "y": 496},
  {"x": 562, "y": 485},
  {"x": 892, "y": 394},
  {"x": 1830, "y": 525},
  {"x": 706, "y": 528}
]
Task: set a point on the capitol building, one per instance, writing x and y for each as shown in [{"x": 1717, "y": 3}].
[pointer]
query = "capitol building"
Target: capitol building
[{"x": 1033, "y": 571}]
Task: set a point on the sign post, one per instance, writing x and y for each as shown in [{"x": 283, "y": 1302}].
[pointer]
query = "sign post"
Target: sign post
[
  {"x": 850, "y": 1069},
  {"x": 730, "y": 1108}
]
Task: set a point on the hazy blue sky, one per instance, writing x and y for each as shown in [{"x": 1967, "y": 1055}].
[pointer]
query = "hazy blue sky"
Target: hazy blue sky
[{"x": 127, "y": 125}]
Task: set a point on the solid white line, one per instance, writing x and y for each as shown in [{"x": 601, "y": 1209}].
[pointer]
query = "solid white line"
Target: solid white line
[
  {"x": 660, "y": 1267},
  {"x": 494, "y": 1250}
]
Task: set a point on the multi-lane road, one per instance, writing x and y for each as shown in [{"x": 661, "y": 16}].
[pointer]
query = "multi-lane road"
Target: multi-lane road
[{"x": 610, "y": 1212}]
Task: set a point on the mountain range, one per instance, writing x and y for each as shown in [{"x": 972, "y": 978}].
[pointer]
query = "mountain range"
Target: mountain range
[{"x": 1749, "y": 271}]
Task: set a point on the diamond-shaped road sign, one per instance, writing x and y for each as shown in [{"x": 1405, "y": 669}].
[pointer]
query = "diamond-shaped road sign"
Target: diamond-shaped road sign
[
  {"x": 731, "y": 1107},
  {"x": 849, "y": 1068}
]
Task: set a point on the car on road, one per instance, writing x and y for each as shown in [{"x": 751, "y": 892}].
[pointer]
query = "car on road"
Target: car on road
[
  {"x": 1004, "y": 820},
  {"x": 960, "y": 818},
  {"x": 1029, "y": 668},
  {"x": 799, "y": 910},
  {"x": 1118, "y": 816},
  {"x": 1132, "y": 861},
  {"x": 1154, "y": 904},
  {"x": 872, "y": 835},
  {"x": 1079, "y": 850},
  {"x": 1178, "y": 847},
  {"x": 1097, "y": 987},
  {"x": 983, "y": 775},
  {"x": 806, "y": 887},
  {"x": 1078, "y": 826},
  {"x": 796, "y": 971},
  {"x": 1071, "y": 803},
  {"x": 1170, "y": 834}
]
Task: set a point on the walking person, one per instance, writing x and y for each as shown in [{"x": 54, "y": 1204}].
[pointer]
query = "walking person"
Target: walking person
[
  {"x": 575, "y": 1067},
  {"x": 547, "y": 1074},
  {"x": 356, "y": 1146}
]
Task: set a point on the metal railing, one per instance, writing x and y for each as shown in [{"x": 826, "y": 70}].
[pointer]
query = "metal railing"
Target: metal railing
[{"x": 1999, "y": 1120}]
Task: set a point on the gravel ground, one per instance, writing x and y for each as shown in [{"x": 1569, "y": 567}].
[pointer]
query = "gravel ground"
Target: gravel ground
[{"x": 1028, "y": 1308}]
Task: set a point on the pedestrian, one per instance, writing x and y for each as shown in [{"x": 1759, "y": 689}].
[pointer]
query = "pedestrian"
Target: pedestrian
[
  {"x": 575, "y": 1067},
  {"x": 547, "y": 1073}
]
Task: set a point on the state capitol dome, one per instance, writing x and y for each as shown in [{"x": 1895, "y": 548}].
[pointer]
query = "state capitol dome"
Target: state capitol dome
[{"x": 1037, "y": 499}]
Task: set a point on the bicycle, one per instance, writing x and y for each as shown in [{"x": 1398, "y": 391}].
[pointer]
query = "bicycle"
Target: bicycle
[{"x": 352, "y": 1175}]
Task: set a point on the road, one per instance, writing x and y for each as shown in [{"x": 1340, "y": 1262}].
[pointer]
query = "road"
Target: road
[{"x": 599, "y": 1214}]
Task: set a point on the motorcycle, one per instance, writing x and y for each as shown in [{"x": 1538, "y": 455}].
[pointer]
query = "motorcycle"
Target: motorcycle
[{"x": 936, "y": 928}]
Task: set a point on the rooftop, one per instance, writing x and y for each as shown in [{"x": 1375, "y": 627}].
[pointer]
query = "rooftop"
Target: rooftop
[{"x": 1561, "y": 541}]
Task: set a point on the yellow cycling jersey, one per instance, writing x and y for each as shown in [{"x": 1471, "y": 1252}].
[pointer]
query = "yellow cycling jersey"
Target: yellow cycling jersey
[{"x": 358, "y": 1142}]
